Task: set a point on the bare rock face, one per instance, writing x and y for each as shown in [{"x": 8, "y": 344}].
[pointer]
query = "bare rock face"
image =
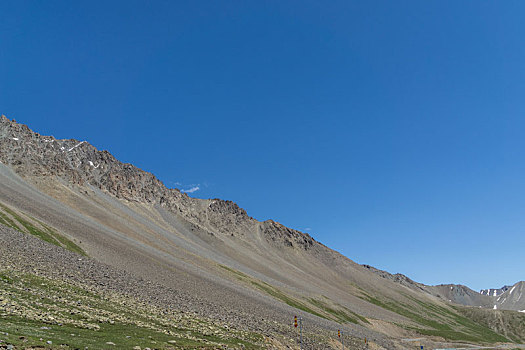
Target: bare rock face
[
  {"x": 495, "y": 292},
  {"x": 279, "y": 233},
  {"x": 77, "y": 162}
]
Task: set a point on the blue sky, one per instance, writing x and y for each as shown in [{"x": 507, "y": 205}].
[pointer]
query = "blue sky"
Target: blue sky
[{"x": 390, "y": 131}]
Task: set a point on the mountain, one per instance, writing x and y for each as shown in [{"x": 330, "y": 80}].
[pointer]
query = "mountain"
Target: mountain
[
  {"x": 505, "y": 298},
  {"x": 494, "y": 292},
  {"x": 460, "y": 294},
  {"x": 217, "y": 261},
  {"x": 512, "y": 298}
]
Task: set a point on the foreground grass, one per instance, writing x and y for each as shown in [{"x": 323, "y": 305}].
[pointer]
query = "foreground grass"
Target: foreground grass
[{"x": 40, "y": 312}]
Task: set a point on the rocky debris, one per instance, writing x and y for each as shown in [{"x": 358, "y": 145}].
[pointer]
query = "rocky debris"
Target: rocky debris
[
  {"x": 32, "y": 255},
  {"x": 74, "y": 302}
]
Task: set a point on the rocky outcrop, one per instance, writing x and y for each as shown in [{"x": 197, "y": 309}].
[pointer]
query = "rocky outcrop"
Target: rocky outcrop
[
  {"x": 283, "y": 235},
  {"x": 398, "y": 278},
  {"x": 494, "y": 292},
  {"x": 31, "y": 155}
]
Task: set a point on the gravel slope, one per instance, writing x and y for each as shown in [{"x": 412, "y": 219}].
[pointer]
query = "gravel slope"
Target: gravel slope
[{"x": 267, "y": 317}]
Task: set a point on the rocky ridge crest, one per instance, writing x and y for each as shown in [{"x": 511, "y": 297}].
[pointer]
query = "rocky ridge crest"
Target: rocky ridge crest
[
  {"x": 397, "y": 278},
  {"x": 494, "y": 292},
  {"x": 30, "y": 154}
]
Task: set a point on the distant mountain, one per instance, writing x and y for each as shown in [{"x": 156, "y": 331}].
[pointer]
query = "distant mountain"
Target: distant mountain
[
  {"x": 460, "y": 294},
  {"x": 494, "y": 292},
  {"x": 250, "y": 274},
  {"x": 505, "y": 298},
  {"x": 397, "y": 278},
  {"x": 513, "y": 298}
]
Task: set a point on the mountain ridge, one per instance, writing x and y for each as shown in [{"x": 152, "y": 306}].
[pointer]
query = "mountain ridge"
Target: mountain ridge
[
  {"x": 80, "y": 162},
  {"x": 495, "y": 291},
  {"x": 126, "y": 218}
]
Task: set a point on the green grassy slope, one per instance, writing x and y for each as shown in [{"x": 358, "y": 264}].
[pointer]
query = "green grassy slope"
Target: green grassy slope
[
  {"x": 509, "y": 323},
  {"x": 322, "y": 306},
  {"x": 452, "y": 323},
  {"x": 435, "y": 320},
  {"x": 27, "y": 224}
]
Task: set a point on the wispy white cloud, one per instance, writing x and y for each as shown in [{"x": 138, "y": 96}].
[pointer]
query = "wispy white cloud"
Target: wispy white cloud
[
  {"x": 190, "y": 187},
  {"x": 191, "y": 190},
  {"x": 307, "y": 229}
]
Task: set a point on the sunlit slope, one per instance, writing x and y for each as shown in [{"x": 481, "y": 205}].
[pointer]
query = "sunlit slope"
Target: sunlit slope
[{"x": 213, "y": 249}]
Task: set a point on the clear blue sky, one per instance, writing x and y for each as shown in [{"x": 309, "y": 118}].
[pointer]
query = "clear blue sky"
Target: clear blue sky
[{"x": 391, "y": 131}]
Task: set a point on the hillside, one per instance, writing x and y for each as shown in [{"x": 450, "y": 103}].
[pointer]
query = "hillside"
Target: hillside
[
  {"x": 234, "y": 270},
  {"x": 513, "y": 298}
]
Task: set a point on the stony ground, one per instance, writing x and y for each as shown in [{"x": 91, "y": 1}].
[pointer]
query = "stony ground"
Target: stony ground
[
  {"x": 47, "y": 286},
  {"x": 39, "y": 311}
]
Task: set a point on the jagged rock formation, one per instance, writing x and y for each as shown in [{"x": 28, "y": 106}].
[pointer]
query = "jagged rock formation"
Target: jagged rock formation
[{"x": 494, "y": 292}]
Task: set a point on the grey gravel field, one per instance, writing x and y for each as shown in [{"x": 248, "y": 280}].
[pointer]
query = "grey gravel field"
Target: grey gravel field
[{"x": 30, "y": 254}]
